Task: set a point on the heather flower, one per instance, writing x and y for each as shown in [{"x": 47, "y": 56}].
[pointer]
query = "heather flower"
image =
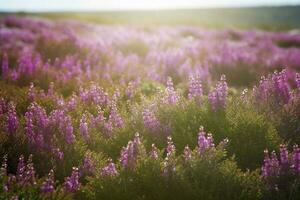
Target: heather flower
[
  {"x": 72, "y": 183},
  {"x": 217, "y": 97},
  {"x": 195, "y": 87},
  {"x": 109, "y": 169},
  {"x": 48, "y": 186}
]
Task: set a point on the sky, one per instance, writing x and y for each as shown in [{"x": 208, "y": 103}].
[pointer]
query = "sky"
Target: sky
[{"x": 95, "y": 5}]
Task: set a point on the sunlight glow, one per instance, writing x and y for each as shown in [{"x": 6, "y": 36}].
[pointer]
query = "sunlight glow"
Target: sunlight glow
[{"x": 89, "y": 5}]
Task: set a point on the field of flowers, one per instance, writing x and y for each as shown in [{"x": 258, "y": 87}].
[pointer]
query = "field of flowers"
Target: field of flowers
[{"x": 125, "y": 112}]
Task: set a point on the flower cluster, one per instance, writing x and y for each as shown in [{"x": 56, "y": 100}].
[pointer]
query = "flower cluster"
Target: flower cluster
[
  {"x": 288, "y": 164},
  {"x": 195, "y": 87},
  {"x": 72, "y": 183},
  {"x": 171, "y": 96},
  {"x": 217, "y": 97},
  {"x": 150, "y": 121},
  {"x": 131, "y": 153},
  {"x": 204, "y": 142},
  {"x": 110, "y": 169}
]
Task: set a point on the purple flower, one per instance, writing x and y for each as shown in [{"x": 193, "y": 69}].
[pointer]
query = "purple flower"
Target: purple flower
[
  {"x": 21, "y": 169},
  {"x": 48, "y": 186},
  {"x": 195, "y": 87},
  {"x": 171, "y": 96},
  {"x": 5, "y": 67},
  {"x": 187, "y": 154},
  {"x": 154, "y": 152},
  {"x": 298, "y": 80},
  {"x": 29, "y": 175},
  {"x": 115, "y": 117},
  {"x": 271, "y": 166},
  {"x": 109, "y": 169},
  {"x": 83, "y": 127},
  {"x": 296, "y": 159},
  {"x": 12, "y": 121},
  {"x": 169, "y": 163},
  {"x": 150, "y": 121},
  {"x": 31, "y": 93},
  {"x": 88, "y": 164},
  {"x": 217, "y": 97},
  {"x": 130, "y": 153},
  {"x": 72, "y": 183},
  {"x": 3, "y": 169},
  {"x": 204, "y": 142}
]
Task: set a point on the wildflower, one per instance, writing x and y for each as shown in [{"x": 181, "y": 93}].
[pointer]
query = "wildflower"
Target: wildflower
[
  {"x": 109, "y": 169},
  {"x": 83, "y": 127},
  {"x": 187, "y": 154},
  {"x": 217, "y": 97},
  {"x": 12, "y": 121},
  {"x": 171, "y": 96},
  {"x": 195, "y": 87},
  {"x": 150, "y": 121},
  {"x": 48, "y": 185},
  {"x": 72, "y": 183},
  {"x": 154, "y": 152}
]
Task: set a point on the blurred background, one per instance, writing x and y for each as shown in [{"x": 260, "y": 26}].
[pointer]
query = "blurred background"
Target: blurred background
[{"x": 274, "y": 15}]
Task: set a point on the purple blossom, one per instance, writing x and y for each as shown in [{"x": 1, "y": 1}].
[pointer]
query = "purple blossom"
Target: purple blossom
[
  {"x": 187, "y": 154},
  {"x": 83, "y": 127},
  {"x": 88, "y": 164},
  {"x": 154, "y": 152},
  {"x": 296, "y": 159},
  {"x": 115, "y": 117},
  {"x": 110, "y": 169},
  {"x": 217, "y": 97},
  {"x": 169, "y": 163},
  {"x": 171, "y": 96},
  {"x": 150, "y": 121},
  {"x": 29, "y": 175},
  {"x": 5, "y": 66},
  {"x": 21, "y": 169},
  {"x": 12, "y": 121},
  {"x": 204, "y": 142},
  {"x": 72, "y": 183},
  {"x": 130, "y": 153},
  {"x": 195, "y": 87},
  {"x": 48, "y": 186},
  {"x": 298, "y": 80}
]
